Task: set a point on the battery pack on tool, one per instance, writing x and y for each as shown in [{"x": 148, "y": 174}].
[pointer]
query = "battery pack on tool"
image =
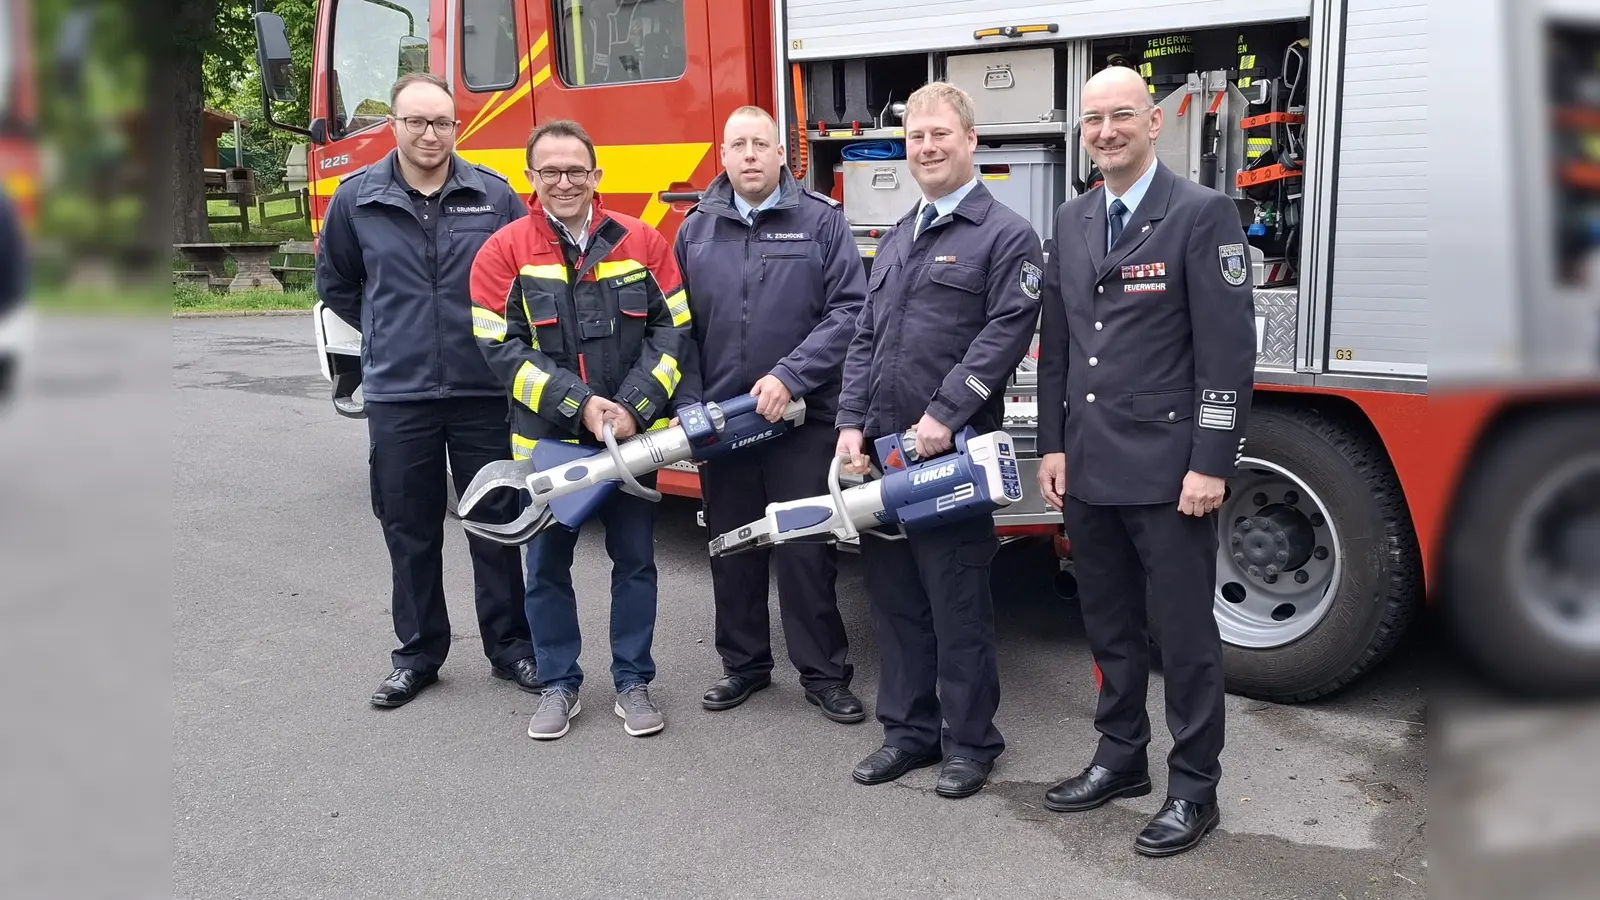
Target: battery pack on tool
[{"x": 977, "y": 478}]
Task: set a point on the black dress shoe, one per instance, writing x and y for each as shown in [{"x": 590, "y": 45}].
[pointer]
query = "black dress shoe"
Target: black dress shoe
[
  {"x": 838, "y": 704},
  {"x": 1179, "y": 826},
  {"x": 524, "y": 673},
  {"x": 889, "y": 763},
  {"x": 733, "y": 690},
  {"x": 1095, "y": 786},
  {"x": 962, "y": 777},
  {"x": 402, "y": 686}
]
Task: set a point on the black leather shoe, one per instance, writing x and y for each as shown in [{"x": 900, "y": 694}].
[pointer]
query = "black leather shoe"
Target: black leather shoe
[
  {"x": 962, "y": 777},
  {"x": 889, "y": 763},
  {"x": 1179, "y": 826},
  {"x": 838, "y": 704},
  {"x": 524, "y": 673},
  {"x": 401, "y": 687},
  {"x": 733, "y": 690},
  {"x": 1095, "y": 786}
]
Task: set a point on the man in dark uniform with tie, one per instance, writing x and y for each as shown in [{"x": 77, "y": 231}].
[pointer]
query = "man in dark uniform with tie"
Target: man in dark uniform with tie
[
  {"x": 951, "y": 306},
  {"x": 1146, "y": 361}
]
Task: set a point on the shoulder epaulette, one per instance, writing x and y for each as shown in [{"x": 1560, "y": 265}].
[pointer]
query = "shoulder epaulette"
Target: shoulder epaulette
[
  {"x": 488, "y": 171},
  {"x": 824, "y": 198}
]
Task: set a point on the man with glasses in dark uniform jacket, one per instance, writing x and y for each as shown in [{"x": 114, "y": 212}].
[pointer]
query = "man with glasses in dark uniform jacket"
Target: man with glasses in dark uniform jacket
[{"x": 394, "y": 261}]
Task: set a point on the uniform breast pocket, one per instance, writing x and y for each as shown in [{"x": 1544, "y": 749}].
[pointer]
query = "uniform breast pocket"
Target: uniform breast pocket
[
  {"x": 633, "y": 302},
  {"x": 544, "y": 318},
  {"x": 959, "y": 296},
  {"x": 787, "y": 270},
  {"x": 1163, "y": 406}
]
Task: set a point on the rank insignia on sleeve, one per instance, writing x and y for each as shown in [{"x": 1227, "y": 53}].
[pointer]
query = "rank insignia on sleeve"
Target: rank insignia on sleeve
[
  {"x": 1031, "y": 276},
  {"x": 1231, "y": 257}
]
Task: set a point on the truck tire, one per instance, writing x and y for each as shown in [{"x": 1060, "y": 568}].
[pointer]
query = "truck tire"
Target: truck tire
[
  {"x": 1318, "y": 568},
  {"x": 1521, "y": 565}
]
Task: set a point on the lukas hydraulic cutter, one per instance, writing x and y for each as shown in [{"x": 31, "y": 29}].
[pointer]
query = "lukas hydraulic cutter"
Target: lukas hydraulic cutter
[
  {"x": 977, "y": 478},
  {"x": 567, "y": 482}
]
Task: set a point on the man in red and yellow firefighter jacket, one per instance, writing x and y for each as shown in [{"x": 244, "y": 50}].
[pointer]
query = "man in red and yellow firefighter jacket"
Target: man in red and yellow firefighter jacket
[{"x": 582, "y": 314}]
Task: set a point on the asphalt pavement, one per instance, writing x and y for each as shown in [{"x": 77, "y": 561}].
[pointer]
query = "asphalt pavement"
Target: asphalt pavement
[{"x": 286, "y": 783}]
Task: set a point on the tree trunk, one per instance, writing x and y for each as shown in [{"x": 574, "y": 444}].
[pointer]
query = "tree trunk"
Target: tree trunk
[{"x": 187, "y": 94}]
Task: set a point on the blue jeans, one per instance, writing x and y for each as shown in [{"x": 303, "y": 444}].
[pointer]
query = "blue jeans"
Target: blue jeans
[{"x": 552, "y": 607}]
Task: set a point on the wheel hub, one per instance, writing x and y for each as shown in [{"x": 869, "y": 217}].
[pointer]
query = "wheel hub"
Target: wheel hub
[{"x": 1278, "y": 539}]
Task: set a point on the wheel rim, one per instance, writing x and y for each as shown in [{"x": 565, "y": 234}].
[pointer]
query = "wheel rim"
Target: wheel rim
[
  {"x": 1555, "y": 554},
  {"x": 1278, "y": 558}
]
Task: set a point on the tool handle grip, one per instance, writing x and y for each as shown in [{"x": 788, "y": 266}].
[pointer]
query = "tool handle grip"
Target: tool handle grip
[
  {"x": 737, "y": 406},
  {"x": 629, "y": 483}
]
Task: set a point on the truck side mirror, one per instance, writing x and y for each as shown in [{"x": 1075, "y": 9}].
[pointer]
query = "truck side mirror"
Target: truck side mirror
[
  {"x": 413, "y": 55},
  {"x": 272, "y": 56}
]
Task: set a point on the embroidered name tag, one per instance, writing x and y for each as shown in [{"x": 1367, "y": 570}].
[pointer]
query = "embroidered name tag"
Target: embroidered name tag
[
  {"x": 786, "y": 236},
  {"x": 630, "y": 278},
  {"x": 1144, "y": 287},
  {"x": 1145, "y": 270},
  {"x": 944, "y": 259},
  {"x": 467, "y": 210}
]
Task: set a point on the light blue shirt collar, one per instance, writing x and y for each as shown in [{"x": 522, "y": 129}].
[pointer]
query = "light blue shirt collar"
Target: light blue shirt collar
[
  {"x": 745, "y": 208},
  {"x": 947, "y": 204},
  {"x": 1134, "y": 195}
]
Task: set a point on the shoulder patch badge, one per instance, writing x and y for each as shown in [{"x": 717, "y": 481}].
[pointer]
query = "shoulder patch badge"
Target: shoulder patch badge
[
  {"x": 1031, "y": 276},
  {"x": 1231, "y": 259}
]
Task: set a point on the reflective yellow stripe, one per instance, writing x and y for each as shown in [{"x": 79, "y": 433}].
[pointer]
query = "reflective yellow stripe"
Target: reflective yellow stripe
[
  {"x": 678, "y": 305},
  {"x": 568, "y": 401},
  {"x": 555, "y": 272},
  {"x": 666, "y": 372},
  {"x": 529, "y": 385},
  {"x": 521, "y": 447},
  {"x": 659, "y": 424},
  {"x": 614, "y": 268},
  {"x": 487, "y": 326}
]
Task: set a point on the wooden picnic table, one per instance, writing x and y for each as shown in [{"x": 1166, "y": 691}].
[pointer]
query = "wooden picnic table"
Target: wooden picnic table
[{"x": 254, "y": 258}]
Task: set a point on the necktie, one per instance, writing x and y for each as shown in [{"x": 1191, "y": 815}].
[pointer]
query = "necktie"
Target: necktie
[
  {"x": 929, "y": 213},
  {"x": 1117, "y": 210}
]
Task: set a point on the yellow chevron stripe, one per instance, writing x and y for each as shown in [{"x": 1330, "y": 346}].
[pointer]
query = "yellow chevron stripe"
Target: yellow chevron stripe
[
  {"x": 666, "y": 372},
  {"x": 538, "y": 78},
  {"x": 479, "y": 121},
  {"x": 629, "y": 168}
]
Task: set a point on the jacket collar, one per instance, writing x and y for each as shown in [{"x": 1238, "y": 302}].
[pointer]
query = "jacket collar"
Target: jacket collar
[
  {"x": 974, "y": 207},
  {"x": 718, "y": 196},
  {"x": 1151, "y": 209},
  {"x": 380, "y": 179}
]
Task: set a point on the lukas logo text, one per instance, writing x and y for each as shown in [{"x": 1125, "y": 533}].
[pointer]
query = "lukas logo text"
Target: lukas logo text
[{"x": 944, "y": 471}]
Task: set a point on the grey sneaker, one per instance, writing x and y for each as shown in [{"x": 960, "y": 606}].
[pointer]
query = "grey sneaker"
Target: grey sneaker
[
  {"x": 555, "y": 714},
  {"x": 638, "y": 712}
]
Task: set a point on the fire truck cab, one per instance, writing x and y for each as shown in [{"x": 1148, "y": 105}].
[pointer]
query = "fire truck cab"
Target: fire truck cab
[{"x": 1315, "y": 116}]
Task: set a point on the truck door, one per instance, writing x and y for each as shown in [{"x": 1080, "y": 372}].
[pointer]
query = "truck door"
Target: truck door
[{"x": 636, "y": 74}]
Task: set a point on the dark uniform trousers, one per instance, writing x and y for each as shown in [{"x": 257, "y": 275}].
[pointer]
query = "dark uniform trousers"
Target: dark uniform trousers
[
  {"x": 409, "y": 441},
  {"x": 933, "y": 615},
  {"x": 736, "y": 491},
  {"x": 1140, "y": 563}
]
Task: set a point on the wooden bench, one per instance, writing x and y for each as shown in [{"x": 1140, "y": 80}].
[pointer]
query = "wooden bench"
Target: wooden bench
[
  {"x": 293, "y": 251},
  {"x": 254, "y": 270}
]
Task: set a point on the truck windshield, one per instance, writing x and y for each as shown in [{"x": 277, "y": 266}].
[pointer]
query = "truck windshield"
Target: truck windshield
[{"x": 374, "y": 43}]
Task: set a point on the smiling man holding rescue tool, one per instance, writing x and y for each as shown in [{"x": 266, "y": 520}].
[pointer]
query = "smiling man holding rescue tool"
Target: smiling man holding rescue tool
[
  {"x": 775, "y": 282},
  {"x": 950, "y": 311}
]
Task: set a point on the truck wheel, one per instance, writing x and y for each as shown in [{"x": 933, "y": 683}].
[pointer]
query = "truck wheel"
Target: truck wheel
[
  {"x": 1317, "y": 564},
  {"x": 1523, "y": 578}
]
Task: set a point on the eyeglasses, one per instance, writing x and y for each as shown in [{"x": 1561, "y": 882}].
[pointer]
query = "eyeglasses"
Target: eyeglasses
[
  {"x": 441, "y": 127},
  {"x": 575, "y": 177},
  {"x": 1119, "y": 117}
]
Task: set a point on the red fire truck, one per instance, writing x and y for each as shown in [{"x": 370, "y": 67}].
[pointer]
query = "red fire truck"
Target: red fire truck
[{"x": 1359, "y": 494}]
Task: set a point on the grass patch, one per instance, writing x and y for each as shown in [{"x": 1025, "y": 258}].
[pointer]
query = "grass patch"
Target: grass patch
[
  {"x": 70, "y": 299},
  {"x": 186, "y": 298}
]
